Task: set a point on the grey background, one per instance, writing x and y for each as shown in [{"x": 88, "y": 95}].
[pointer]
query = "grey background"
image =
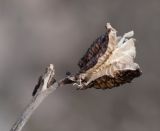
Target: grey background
[{"x": 34, "y": 33}]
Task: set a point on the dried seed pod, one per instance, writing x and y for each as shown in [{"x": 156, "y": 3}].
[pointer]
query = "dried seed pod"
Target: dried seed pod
[{"x": 109, "y": 62}]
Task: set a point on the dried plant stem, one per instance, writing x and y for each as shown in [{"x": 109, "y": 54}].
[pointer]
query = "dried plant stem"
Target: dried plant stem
[
  {"x": 35, "y": 102},
  {"x": 46, "y": 86}
]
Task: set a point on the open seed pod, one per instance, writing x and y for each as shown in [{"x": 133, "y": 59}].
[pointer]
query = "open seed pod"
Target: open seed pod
[{"x": 109, "y": 62}]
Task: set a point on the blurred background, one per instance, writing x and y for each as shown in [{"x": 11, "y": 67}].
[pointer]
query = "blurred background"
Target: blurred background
[{"x": 35, "y": 33}]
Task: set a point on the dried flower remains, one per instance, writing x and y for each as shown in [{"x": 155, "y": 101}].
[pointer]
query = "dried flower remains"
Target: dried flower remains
[{"x": 109, "y": 62}]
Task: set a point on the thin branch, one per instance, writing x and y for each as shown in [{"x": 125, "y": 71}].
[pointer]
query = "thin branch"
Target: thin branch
[
  {"x": 46, "y": 85},
  {"x": 99, "y": 69}
]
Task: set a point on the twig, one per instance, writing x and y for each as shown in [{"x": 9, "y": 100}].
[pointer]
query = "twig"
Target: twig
[
  {"x": 47, "y": 85},
  {"x": 101, "y": 67}
]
